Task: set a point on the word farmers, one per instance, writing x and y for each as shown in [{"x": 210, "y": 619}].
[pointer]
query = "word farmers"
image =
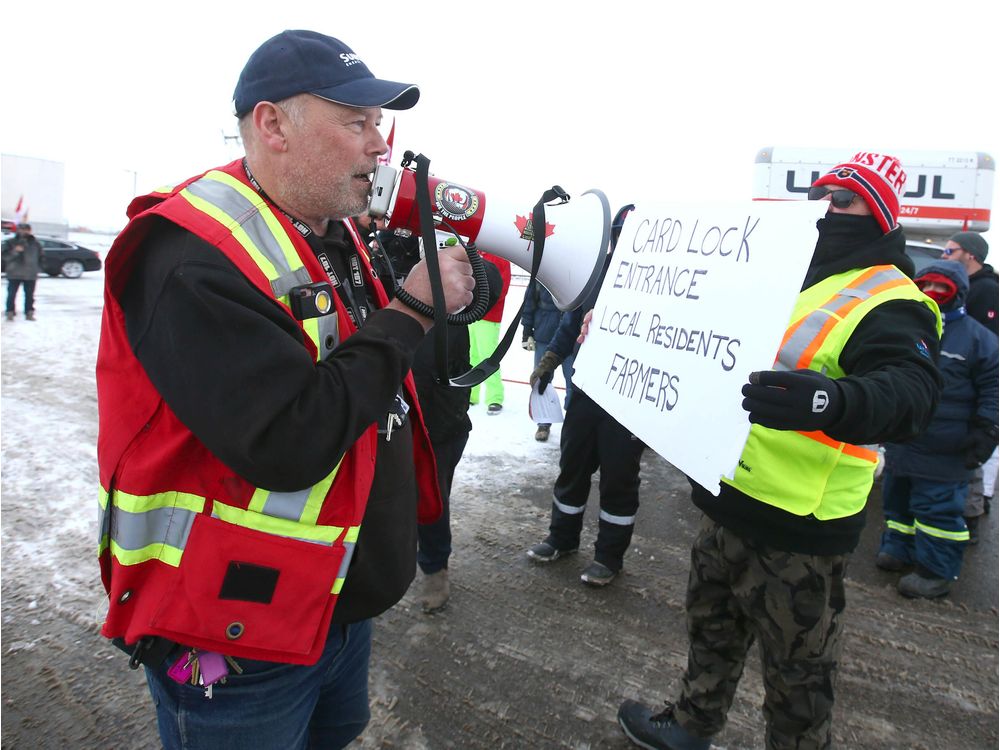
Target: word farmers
[{"x": 632, "y": 379}]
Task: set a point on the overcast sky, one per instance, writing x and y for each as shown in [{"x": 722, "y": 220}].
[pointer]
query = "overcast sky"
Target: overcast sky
[{"x": 641, "y": 100}]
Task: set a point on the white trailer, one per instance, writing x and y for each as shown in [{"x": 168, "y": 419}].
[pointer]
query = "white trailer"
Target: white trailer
[{"x": 946, "y": 191}]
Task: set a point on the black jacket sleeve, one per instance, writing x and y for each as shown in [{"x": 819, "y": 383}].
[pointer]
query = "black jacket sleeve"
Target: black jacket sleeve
[
  {"x": 892, "y": 384},
  {"x": 231, "y": 365}
]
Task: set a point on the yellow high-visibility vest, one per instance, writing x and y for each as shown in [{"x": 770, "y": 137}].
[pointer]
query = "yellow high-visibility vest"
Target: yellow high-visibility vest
[{"x": 810, "y": 473}]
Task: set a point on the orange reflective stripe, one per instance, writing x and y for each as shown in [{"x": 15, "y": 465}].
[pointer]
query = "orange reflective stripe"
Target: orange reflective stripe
[
  {"x": 837, "y": 314},
  {"x": 849, "y": 449}
]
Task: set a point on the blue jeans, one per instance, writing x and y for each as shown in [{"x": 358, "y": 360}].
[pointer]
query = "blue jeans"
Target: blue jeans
[
  {"x": 434, "y": 539},
  {"x": 29, "y": 294},
  {"x": 272, "y": 706}
]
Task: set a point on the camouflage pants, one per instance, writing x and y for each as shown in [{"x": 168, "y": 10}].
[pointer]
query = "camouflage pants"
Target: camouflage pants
[{"x": 791, "y": 603}]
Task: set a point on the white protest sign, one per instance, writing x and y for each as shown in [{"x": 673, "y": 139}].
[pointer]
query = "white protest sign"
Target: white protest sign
[{"x": 697, "y": 296}]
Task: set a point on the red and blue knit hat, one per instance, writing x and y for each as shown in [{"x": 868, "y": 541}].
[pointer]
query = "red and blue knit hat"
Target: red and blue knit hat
[{"x": 878, "y": 178}]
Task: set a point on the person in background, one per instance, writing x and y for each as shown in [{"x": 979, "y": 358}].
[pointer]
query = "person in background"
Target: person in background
[
  {"x": 591, "y": 440},
  {"x": 446, "y": 414},
  {"x": 262, "y": 456},
  {"x": 970, "y": 249},
  {"x": 926, "y": 478},
  {"x": 22, "y": 258},
  {"x": 540, "y": 319},
  {"x": 856, "y": 368},
  {"x": 484, "y": 335}
]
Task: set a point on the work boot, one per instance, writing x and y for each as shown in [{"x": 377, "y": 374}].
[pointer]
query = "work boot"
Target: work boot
[
  {"x": 597, "y": 574},
  {"x": 885, "y": 561},
  {"x": 542, "y": 433},
  {"x": 436, "y": 591},
  {"x": 972, "y": 524},
  {"x": 11, "y": 314},
  {"x": 657, "y": 731},
  {"x": 923, "y": 586},
  {"x": 29, "y": 315},
  {"x": 544, "y": 552}
]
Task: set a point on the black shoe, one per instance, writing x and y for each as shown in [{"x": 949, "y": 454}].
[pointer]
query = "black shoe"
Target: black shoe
[
  {"x": 972, "y": 524},
  {"x": 494, "y": 409},
  {"x": 598, "y": 574},
  {"x": 544, "y": 552},
  {"x": 885, "y": 561},
  {"x": 916, "y": 586},
  {"x": 657, "y": 731}
]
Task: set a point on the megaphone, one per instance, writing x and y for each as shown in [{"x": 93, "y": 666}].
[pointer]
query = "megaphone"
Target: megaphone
[{"x": 577, "y": 230}]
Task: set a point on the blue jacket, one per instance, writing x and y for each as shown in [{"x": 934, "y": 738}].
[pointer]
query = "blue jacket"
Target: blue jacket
[
  {"x": 540, "y": 316},
  {"x": 968, "y": 365}
]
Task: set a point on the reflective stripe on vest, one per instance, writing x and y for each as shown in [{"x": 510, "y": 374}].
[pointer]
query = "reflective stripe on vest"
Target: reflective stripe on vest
[
  {"x": 253, "y": 224},
  {"x": 804, "y": 338},
  {"x": 809, "y": 472},
  {"x": 156, "y": 527}
]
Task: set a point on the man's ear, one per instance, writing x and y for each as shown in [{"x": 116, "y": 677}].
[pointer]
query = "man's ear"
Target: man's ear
[{"x": 270, "y": 122}]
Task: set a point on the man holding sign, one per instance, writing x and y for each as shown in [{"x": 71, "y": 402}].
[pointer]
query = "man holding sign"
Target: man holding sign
[{"x": 856, "y": 367}]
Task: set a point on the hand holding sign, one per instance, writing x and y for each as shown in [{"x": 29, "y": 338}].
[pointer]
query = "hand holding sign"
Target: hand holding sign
[{"x": 803, "y": 400}]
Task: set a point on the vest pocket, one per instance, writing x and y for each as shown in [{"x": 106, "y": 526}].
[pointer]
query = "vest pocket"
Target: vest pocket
[{"x": 247, "y": 593}]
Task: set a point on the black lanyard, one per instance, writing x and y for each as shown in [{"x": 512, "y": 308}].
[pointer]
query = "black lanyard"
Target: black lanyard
[{"x": 353, "y": 294}]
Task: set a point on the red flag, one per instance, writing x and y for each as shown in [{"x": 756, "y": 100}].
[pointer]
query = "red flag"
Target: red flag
[
  {"x": 387, "y": 156},
  {"x": 21, "y": 211}
]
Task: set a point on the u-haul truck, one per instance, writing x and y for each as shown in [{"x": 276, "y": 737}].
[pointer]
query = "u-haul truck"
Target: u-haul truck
[{"x": 946, "y": 191}]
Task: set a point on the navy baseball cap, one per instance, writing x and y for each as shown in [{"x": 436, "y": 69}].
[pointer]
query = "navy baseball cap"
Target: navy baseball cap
[{"x": 300, "y": 62}]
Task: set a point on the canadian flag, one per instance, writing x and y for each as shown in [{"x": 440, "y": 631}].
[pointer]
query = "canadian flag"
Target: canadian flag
[
  {"x": 386, "y": 158},
  {"x": 21, "y": 211}
]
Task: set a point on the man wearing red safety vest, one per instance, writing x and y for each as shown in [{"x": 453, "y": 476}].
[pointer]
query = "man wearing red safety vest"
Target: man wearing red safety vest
[{"x": 263, "y": 461}]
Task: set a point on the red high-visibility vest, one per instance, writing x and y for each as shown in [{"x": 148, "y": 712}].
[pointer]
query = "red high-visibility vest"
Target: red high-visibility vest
[{"x": 176, "y": 524}]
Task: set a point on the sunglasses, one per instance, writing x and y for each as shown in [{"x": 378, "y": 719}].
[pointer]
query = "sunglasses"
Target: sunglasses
[
  {"x": 840, "y": 198},
  {"x": 949, "y": 250}
]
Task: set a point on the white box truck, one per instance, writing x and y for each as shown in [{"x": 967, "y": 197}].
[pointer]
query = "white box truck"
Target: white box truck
[{"x": 946, "y": 191}]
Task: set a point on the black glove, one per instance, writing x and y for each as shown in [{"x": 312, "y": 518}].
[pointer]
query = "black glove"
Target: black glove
[
  {"x": 543, "y": 373},
  {"x": 980, "y": 443},
  {"x": 803, "y": 400}
]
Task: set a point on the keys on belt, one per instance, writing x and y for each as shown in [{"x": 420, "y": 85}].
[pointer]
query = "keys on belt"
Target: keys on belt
[
  {"x": 395, "y": 418},
  {"x": 204, "y": 668}
]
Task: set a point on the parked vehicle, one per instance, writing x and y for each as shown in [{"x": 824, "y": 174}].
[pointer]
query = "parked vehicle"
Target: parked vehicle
[
  {"x": 64, "y": 258},
  {"x": 923, "y": 253}
]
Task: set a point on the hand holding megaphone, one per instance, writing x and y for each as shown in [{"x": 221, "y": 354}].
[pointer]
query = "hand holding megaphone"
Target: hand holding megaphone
[{"x": 457, "y": 282}]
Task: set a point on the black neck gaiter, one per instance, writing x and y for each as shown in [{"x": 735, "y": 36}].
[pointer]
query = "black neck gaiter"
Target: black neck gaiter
[{"x": 841, "y": 236}]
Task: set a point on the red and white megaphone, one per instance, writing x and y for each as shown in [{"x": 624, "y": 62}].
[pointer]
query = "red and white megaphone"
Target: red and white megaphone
[{"x": 577, "y": 230}]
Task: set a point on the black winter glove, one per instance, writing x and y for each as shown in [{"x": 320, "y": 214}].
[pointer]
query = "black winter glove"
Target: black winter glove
[
  {"x": 803, "y": 400},
  {"x": 980, "y": 443},
  {"x": 543, "y": 373}
]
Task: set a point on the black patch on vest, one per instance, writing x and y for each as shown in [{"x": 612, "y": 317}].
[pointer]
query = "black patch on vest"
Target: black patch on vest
[{"x": 249, "y": 583}]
